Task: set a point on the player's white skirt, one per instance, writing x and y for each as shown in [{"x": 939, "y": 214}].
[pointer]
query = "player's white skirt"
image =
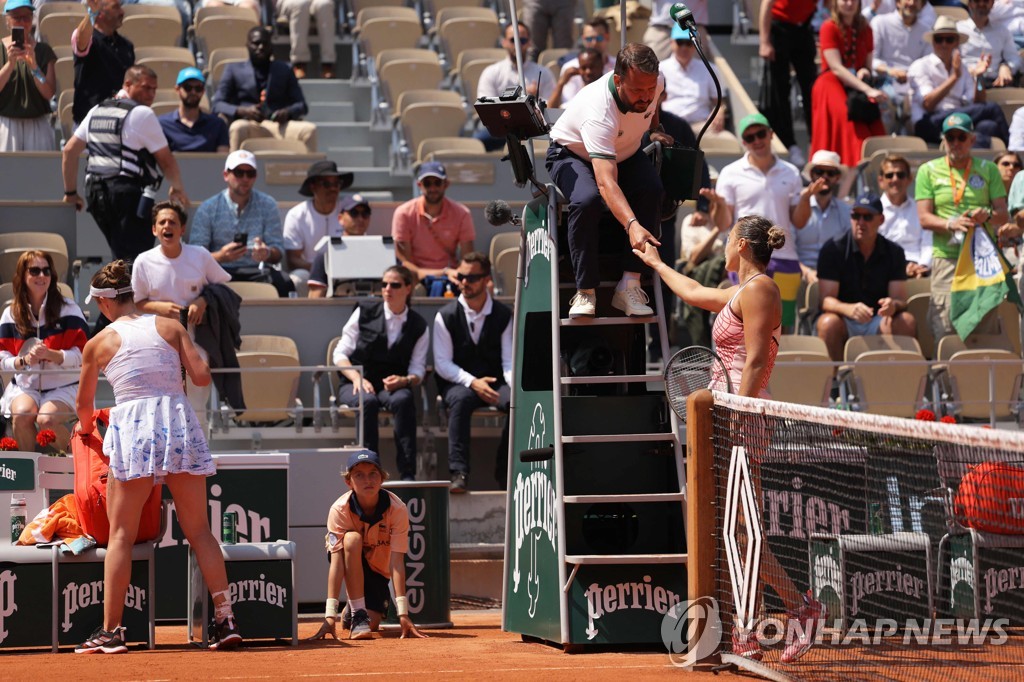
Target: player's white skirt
[{"x": 155, "y": 437}]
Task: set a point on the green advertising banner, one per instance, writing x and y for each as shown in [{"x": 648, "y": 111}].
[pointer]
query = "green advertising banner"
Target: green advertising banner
[
  {"x": 623, "y": 604},
  {"x": 26, "y": 600},
  {"x": 17, "y": 474},
  {"x": 260, "y": 498},
  {"x": 80, "y": 602},
  {"x": 532, "y": 593},
  {"x": 262, "y": 596}
]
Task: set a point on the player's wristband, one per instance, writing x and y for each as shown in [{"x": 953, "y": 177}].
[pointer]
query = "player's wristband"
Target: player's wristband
[
  {"x": 630, "y": 222},
  {"x": 331, "y": 609},
  {"x": 402, "y": 606}
]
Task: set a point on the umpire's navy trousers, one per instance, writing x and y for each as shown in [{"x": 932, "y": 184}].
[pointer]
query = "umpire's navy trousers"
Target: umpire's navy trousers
[{"x": 639, "y": 183}]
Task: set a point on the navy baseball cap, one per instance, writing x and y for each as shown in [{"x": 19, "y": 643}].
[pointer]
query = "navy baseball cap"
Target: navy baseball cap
[
  {"x": 363, "y": 457},
  {"x": 431, "y": 169},
  {"x": 350, "y": 202},
  {"x": 190, "y": 73},
  {"x": 869, "y": 201}
]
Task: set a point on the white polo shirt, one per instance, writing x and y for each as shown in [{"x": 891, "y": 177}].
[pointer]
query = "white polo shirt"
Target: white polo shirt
[
  {"x": 903, "y": 227},
  {"x": 749, "y": 191},
  {"x": 575, "y": 84},
  {"x": 690, "y": 91},
  {"x": 304, "y": 227},
  {"x": 994, "y": 40},
  {"x": 593, "y": 125},
  {"x": 928, "y": 73},
  {"x": 897, "y": 45}
]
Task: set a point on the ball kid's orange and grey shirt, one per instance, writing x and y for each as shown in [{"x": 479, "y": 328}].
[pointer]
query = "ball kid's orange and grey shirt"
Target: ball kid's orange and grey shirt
[{"x": 385, "y": 531}]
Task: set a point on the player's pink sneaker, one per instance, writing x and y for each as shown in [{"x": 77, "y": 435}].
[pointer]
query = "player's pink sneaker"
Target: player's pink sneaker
[
  {"x": 744, "y": 644},
  {"x": 810, "y": 615}
]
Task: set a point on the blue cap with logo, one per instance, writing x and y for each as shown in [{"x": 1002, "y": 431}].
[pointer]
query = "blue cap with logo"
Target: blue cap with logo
[
  {"x": 190, "y": 73},
  {"x": 350, "y": 202},
  {"x": 680, "y": 33},
  {"x": 363, "y": 456},
  {"x": 869, "y": 201},
  {"x": 431, "y": 169}
]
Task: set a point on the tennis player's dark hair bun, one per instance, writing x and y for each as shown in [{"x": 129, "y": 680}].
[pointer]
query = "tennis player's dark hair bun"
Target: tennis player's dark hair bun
[{"x": 776, "y": 237}]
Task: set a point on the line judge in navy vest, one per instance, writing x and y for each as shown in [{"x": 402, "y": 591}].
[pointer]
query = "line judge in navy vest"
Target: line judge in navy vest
[
  {"x": 473, "y": 361},
  {"x": 102, "y": 55},
  {"x": 389, "y": 340}
]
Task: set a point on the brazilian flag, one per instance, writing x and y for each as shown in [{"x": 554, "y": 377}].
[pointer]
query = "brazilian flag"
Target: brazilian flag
[{"x": 980, "y": 283}]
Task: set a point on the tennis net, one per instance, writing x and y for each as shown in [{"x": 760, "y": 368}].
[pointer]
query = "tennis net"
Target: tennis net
[{"x": 854, "y": 546}]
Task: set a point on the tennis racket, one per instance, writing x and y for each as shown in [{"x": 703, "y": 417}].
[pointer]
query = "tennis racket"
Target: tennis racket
[{"x": 692, "y": 369}]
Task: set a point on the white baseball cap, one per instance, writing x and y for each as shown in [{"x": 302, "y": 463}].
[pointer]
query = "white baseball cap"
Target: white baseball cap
[{"x": 240, "y": 158}]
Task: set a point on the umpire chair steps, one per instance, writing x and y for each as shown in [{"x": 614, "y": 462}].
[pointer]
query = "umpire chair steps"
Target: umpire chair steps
[{"x": 596, "y": 494}]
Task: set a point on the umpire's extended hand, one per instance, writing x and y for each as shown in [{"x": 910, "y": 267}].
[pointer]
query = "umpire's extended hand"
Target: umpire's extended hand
[{"x": 638, "y": 236}]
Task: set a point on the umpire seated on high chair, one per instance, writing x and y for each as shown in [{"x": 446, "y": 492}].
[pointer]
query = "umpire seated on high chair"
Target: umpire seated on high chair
[
  {"x": 389, "y": 341},
  {"x": 473, "y": 361},
  {"x": 596, "y": 160}
]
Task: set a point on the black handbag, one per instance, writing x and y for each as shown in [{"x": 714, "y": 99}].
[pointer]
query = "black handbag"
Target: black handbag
[{"x": 860, "y": 109}]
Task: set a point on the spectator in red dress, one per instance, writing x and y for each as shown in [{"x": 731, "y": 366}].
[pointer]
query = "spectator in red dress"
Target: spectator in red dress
[{"x": 846, "y": 47}]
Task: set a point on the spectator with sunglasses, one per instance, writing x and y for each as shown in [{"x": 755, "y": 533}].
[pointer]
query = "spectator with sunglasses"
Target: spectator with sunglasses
[
  {"x": 473, "y": 361},
  {"x": 902, "y": 225},
  {"x": 241, "y": 226},
  {"x": 862, "y": 281},
  {"x": 354, "y": 218},
  {"x": 942, "y": 84},
  {"x": 595, "y": 35},
  {"x": 389, "y": 340},
  {"x": 830, "y": 216},
  {"x": 1009, "y": 164},
  {"x": 431, "y": 231},
  {"x": 954, "y": 193},
  {"x": 989, "y": 43},
  {"x": 308, "y": 223},
  {"x": 189, "y": 129},
  {"x": 690, "y": 92}
]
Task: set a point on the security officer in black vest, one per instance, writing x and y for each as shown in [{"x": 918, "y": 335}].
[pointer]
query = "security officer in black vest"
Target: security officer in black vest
[
  {"x": 473, "y": 361},
  {"x": 127, "y": 152},
  {"x": 389, "y": 341}
]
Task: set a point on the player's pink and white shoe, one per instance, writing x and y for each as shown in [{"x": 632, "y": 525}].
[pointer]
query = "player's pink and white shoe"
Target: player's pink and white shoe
[
  {"x": 744, "y": 644},
  {"x": 799, "y": 640}
]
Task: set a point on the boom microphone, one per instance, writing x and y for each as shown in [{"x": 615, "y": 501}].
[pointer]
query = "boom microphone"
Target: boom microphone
[
  {"x": 499, "y": 213},
  {"x": 682, "y": 15}
]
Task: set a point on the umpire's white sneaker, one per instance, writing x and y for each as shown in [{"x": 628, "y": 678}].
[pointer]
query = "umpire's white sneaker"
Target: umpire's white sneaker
[
  {"x": 583, "y": 304},
  {"x": 633, "y": 302}
]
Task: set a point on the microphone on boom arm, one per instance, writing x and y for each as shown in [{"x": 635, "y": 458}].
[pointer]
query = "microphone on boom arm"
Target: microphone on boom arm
[{"x": 499, "y": 213}]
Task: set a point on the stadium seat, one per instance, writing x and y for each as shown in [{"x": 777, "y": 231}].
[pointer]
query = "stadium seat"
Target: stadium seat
[
  {"x": 469, "y": 77},
  {"x": 918, "y": 285},
  {"x": 59, "y": 7},
  {"x": 506, "y": 267},
  {"x": 801, "y": 343},
  {"x": 721, "y": 145},
  {"x": 152, "y": 30},
  {"x": 167, "y": 62},
  {"x": 507, "y": 239},
  {"x": 421, "y": 122},
  {"x": 386, "y": 33},
  {"x": 269, "y": 396},
  {"x": 982, "y": 390},
  {"x": 410, "y": 97},
  {"x": 356, "y": 7},
  {"x": 793, "y": 381},
  {"x": 218, "y": 60},
  {"x": 56, "y": 28},
  {"x": 550, "y": 57},
  {"x": 1009, "y": 319},
  {"x": 399, "y": 75},
  {"x": 250, "y": 291},
  {"x": 63, "y": 51},
  {"x": 858, "y": 345},
  {"x": 13, "y": 244},
  {"x": 65, "y": 70},
  {"x": 223, "y": 31},
  {"x": 883, "y": 374},
  {"x": 459, "y": 34},
  {"x": 892, "y": 144},
  {"x": 917, "y": 305},
  {"x": 386, "y": 12},
  {"x": 462, "y": 10},
  {"x": 152, "y": 10},
  {"x": 441, "y": 146},
  {"x": 267, "y": 145},
  {"x": 243, "y": 13},
  {"x": 810, "y": 306}
]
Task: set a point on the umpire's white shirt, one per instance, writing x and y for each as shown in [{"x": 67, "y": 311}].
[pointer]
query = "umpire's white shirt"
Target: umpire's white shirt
[{"x": 594, "y": 127}]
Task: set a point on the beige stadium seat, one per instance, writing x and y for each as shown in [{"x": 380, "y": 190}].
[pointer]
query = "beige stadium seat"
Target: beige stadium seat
[
  {"x": 217, "y": 70},
  {"x": 63, "y": 51},
  {"x": 488, "y": 54},
  {"x": 796, "y": 380},
  {"x": 503, "y": 240},
  {"x": 396, "y": 54},
  {"x": 165, "y": 63},
  {"x": 890, "y": 382},
  {"x": 721, "y": 145},
  {"x": 161, "y": 108},
  {"x": 410, "y": 97},
  {"x": 56, "y": 28},
  {"x": 981, "y": 389},
  {"x": 506, "y": 267},
  {"x": 469, "y": 78},
  {"x": 422, "y": 122},
  {"x": 463, "y": 10},
  {"x": 1009, "y": 320},
  {"x": 60, "y": 7},
  {"x": 802, "y": 343},
  {"x": 433, "y": 147},
  {"x": 400, "y": 75},
  {"x": 550, "y": 57},
  {"x": 810, "y": 305},
  {"x": 919, "y": 285},
  {"x": 153, "y": 11},
  {"x": 465, "y": 34},
  {"x": 251, "y": 291},
  {"x": 386, "y": 12},
  {"x": 65, "y": 70},
  {"x": 388, "y": 33},
  {"x": 858, "y": 345},
  {"x": 204, "y": 13},
  {"x": 224, "y": 31},
  {"x": 267, "y": 145},
  {"x": 152, "y": 30},
  {"x": 269, "y": 396},
  {"x": 13, "y": 244},
  {"x": 917, "y": 305},
  {"x": 356, "y": 7},
  {"x": 892, "y": 144}
]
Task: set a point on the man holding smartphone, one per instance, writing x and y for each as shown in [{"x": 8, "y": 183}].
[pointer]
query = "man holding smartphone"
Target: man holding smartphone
[{"x": 241, "y": 227}]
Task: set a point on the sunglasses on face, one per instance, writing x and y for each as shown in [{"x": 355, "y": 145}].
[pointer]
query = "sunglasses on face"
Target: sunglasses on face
[
  {"x": 955, "y": 137},
  {"x": 1010, "y": 164},
  {"x": 684, "y": 43},
  {"x": 759, "y": 135},
  {"x": 593, "y": 39},
  {"x": 829, "y": 172},
  {"x": 196, "y": 88},
  {"x": 360, "y": 213},
  {"x": 36, "y": 272},
  {"x": 862, "y": 216},
  {"x": 242, "y": 173},
  {"x": 471, "y": 279},
  {"x": 392, "y": 285},
  {"x": 894, "y": 175},
  {"x": 431, "y": 182},
  {"x": 939, "y": 40}
]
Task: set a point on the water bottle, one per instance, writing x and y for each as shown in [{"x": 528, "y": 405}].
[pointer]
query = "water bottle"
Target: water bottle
[{"x": 18, "y": 516}]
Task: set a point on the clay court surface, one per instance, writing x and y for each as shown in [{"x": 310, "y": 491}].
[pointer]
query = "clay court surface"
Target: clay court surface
[{"x": 475, "y": 648}]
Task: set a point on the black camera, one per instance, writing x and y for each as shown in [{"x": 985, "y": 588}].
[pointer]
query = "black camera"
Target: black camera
[{"x": 512, "y": 113}]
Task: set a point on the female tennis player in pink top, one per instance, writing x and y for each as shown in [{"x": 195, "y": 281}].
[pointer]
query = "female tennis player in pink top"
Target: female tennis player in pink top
[{"x": 746, "y": 336}]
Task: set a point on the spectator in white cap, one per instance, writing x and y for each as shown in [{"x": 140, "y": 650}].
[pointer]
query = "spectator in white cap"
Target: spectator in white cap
[
  {"x": 830, "y": 216},
  {"x": 241, "y": 227}
]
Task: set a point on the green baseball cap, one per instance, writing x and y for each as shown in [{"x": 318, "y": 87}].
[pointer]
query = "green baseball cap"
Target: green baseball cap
[
  {"x": 957, "y": 121},
  {"x": 756, "y": 119}
]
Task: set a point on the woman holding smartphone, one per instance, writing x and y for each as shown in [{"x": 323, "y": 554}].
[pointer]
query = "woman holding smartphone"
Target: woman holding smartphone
[{"x": 28, "y": 81}]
